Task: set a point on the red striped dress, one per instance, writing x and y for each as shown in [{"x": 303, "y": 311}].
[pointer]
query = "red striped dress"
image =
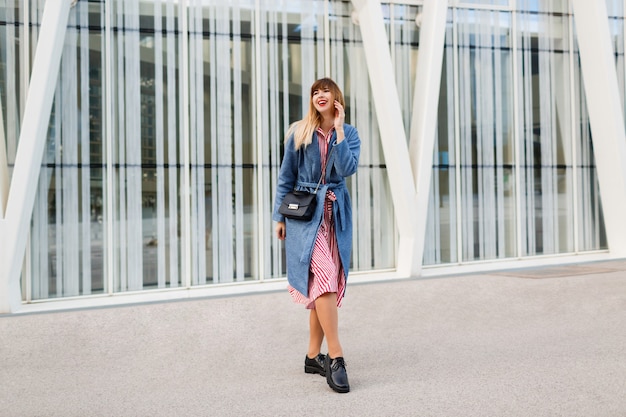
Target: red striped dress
[{"x": 326, "y": 274}]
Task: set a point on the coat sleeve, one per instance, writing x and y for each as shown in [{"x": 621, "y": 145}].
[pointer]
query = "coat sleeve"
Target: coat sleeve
[
  {"x": 286, "y": 177},
  {"x": 346, "y": 159}
]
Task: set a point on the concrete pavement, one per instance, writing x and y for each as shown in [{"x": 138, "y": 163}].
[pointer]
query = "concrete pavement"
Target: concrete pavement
[{"x": 535, "y": 342}]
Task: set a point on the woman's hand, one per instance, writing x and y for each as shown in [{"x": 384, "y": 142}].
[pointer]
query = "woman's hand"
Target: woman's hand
[
  {"x": 281, "y": 230},
  {"x": 340, "y": 118}
]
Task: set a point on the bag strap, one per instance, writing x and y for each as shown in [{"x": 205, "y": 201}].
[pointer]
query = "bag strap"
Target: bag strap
[{"x": 324, "y": 170}]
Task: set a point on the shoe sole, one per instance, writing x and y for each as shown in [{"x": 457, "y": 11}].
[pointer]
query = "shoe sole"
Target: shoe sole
[
  {"x": 336, "y": 388},
  {"x": 313, "y": 370}
]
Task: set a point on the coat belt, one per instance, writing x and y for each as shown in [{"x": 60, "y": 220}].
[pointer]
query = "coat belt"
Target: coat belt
[{"x": 337, "y": 188}]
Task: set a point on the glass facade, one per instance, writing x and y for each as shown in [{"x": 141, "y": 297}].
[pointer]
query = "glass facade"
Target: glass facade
[
  {"x": 513, "y": 172},
  {"x": 166, "y": 136}
]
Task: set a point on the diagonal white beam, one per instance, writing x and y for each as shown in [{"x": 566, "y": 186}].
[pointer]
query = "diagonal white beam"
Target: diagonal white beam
[
  {"x": 392, "y": 134},
  {"x": 410, "y": 180},
  {"x": 14, "y": 227},
  {"x": 605, "y": 116},
  {"x": 4, "y": 168},
  {"x": 425, "y": 113}
]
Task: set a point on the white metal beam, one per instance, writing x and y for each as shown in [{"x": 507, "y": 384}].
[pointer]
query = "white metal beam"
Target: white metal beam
[
  {"x": 605, "y": 116},
  {"x": 392, "y": 134},
  {"x": 4, "y": 168},
  {"x": 14, "y": 227},
  {"x": 425, "y": 114}
]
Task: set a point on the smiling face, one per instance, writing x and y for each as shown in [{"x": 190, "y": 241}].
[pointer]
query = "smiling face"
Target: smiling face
[
  {"x": 324, "y": 92},
  {"x": 323, "y": 100}
]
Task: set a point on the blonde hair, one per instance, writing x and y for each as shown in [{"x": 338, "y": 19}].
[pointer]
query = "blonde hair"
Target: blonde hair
[{"x": 303, "y": 129}]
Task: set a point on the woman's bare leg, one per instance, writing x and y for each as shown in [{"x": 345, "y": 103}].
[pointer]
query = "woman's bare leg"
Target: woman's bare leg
[
  {"x": 326, "y": 311},
  {"x": 316, "y": 335}
]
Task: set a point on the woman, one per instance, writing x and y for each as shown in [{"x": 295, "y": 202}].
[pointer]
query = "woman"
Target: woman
[{"x": 318, "y": 251}]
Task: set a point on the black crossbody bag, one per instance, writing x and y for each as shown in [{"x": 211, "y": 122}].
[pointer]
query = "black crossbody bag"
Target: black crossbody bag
[{"x": 300, "y": 205}]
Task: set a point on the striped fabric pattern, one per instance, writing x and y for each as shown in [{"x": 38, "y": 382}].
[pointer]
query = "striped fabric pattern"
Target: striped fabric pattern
[{"x": 326, "y": 274}]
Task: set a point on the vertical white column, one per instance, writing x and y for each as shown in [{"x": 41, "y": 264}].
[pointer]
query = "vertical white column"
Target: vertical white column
[
  {"x": 605, "y": 116},
  {"x": 263, "y": 265},
  {"x": 575, "y": 177},
  {"x": 159, "y": 110},
  {"x": 238, "y": 148},
  {"x": 173, "y": 184},
  {"x": 424, "y": 118},
  {"x": 184, "y": 148},
  {"x": 21, "y": 197},
  {"x": 107, "y": 149},
  {"x": 4, "y": 168},
  {"x": 85, "y": 171},
  {"x": 393, "y": 136},
  {"x": 326, "y": 39}
]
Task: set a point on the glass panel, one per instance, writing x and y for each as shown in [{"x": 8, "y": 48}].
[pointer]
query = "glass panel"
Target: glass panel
[
  {"x": 67, "y": 250},
  {"x": 486, "y": 146},
  {"x": 11, "y": 95},
  {"x": 615, "y": 9},
  {"x": 545, "y": 115},
  {"x": 542, "y": 6},
  {"x": 484, "y": 2},
  {"x": 223, "y": 144},
  {"x": 147, "y": 145},
  {"x": 405, "y": 36}
]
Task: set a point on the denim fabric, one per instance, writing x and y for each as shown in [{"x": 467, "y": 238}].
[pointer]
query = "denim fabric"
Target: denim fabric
[{"x": 301, "y": 170}]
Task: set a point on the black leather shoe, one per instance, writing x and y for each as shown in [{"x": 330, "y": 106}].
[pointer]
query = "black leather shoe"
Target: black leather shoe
[
  {"x": 336, "y": 375},
  {"x": 315, "y": 365}
]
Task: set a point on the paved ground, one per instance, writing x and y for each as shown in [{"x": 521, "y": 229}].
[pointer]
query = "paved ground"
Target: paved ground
[{"x": 540, "y": 342}]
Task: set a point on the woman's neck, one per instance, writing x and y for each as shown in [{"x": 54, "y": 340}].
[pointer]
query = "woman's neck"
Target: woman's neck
[{"x": 327, "y": 124}]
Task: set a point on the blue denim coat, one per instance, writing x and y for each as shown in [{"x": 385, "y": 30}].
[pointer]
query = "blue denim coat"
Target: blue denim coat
[{"x": 301, "y": 170}]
